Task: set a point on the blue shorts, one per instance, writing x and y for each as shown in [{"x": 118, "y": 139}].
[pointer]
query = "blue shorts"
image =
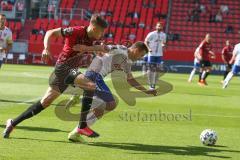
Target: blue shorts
[
  {"x": 102, "y": 90},
  {"x": 145, "y": 58},
  {"x": 235, "y": 69},
  {"x": 1, "y": 62},
  {"x": 155, "y": 59},
  {"x": 196, "y": 65}
]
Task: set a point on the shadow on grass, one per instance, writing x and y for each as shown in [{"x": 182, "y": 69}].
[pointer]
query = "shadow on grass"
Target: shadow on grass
[
  {"x": 40, "y": 140},
  {"x": 38, "y": 129},
  {"x": 161, "y": 149}
]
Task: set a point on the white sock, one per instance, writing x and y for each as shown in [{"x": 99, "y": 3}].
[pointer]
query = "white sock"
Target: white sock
[
  {"x": 228, "y": 79},
  {"x": 203, "y": 74},
  {"x": 192, "y": 74},
  {"x": 97, "y": 103},
  {"x": 91, "y": 118},
  {"x": 144, "y": 69}
]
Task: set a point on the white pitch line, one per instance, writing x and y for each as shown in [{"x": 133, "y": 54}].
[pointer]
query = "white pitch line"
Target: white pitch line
[
  {"x": 33, "y": 76},
  {"x": 30, "y": 100},
  {"x": 215, "y": 115}
]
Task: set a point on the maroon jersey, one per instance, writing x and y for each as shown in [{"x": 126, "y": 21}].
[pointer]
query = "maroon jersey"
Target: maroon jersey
[
  {"x": 204, "y": 49},
  {"x": 227, "y": 53},
  {"x": 73, "y": 36}
]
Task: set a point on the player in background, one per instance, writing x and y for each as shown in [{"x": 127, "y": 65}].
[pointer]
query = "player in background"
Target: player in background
[
  {"x": 78, "y": 40},
  {"x": 226, "y": 57},
  {"x": 119, "y": 58},
  {"x": 145, "y": 65},
  {"x": 155, "y": 40},
  {"x": 205, "y": 53},
  {"x": 196, "y": 65},
  {"x": 236, "y": 66},
  {"x": 5, "y": 38}
]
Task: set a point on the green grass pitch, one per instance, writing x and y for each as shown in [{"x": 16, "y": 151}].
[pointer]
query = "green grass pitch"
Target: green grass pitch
[{"x": 45, "y": 136}]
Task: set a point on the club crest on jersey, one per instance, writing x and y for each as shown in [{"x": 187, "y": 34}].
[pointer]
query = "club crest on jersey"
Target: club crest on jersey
[{"x": 68, "y": 31}]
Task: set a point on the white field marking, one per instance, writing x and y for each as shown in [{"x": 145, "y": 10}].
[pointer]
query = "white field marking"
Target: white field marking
[
  {"x": 215, "y": 115},
  {"x": 30, "y": 100},
  {"x": 174, "y": 113},
  {"x": 34, "y": 76}
]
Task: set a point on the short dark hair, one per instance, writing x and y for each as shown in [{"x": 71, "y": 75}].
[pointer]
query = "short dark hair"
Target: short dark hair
[
  {"x": 1, "y": 14},
  {"x": 96, "y": 19},
  {"x": 141, "y": 45}
]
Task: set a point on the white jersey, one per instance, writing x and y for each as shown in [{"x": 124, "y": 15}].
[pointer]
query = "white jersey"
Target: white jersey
[
  {"x": 116, "y": 59},
  {"x": 236, "y": 51},
  {"x": 5, "y": 39},
  {"x": 156, "y": 42}
]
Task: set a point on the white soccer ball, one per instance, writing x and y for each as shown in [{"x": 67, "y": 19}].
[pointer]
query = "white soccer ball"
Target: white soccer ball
[{"x": 208, "y": 137}]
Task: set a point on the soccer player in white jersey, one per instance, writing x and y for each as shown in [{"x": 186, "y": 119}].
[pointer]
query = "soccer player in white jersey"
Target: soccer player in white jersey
[
  {"x": 155, "y": 41},
  {"x": 196, "y": 65},
  {"x": 119, "y": 58},
  {"x": 236, "y": 65},
  {"x": 5, "y": 38}
]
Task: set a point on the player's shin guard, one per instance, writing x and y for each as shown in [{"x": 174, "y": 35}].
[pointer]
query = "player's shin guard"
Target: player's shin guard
[
  {"x": 86, "y": 105},
  {"x": 30, "y": 112}
]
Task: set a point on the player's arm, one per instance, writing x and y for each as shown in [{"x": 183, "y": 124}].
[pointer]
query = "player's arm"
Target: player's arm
[
  {"x": 95, "y": 48},
  {"x": 212, "y": 54},
  {"x": 46, "y": 42},
  {"x": 9, "y": 43},
  {"x": 132, "y": 81},
  {"x": 233, "y": 56},
  {"x": 223, "y": 57},
  {"x": 147, "y": 41}
]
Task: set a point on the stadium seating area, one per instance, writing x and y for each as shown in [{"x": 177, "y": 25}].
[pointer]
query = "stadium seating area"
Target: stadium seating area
[
  {"x": 15, "y": 27},
  {"x": 136, "y": 17},
  {"x": 131, "y": 20},
  {"x": 191, "y": 33}
]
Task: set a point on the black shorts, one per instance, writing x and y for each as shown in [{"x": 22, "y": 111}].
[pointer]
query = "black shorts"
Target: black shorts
[
  {"x": 57, "y": 78},
  {"x": 228, "y": 66},
  {"x": 204, "y": 63}
]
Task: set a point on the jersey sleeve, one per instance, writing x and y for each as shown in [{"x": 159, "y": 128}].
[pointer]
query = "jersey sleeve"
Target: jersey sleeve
[
  {"x": 127, "y": 67},
  {"x": 71, "y": 31},
  {"x": 236, "y": 50},
  {"x": 9, "y": 39},
  {"x": 149, "y": 37}
]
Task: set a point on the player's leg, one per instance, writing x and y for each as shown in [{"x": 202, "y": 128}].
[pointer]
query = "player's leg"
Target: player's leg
[
  {"x": 235, "y": 70},
  {"x": 193, "y": 72},
  {"x": 228, "y": 69},
  {"x": 152, "y": 71},
  {"x": 191, "y": 75},
  {"x": 99, "y": 110},
  {"x": 159, "y": 69},
  {"x": 144, "y": 65},
  {"x": 1, "y": 62},
  {"x": 103, "y": 93},
  {"x": 33, "y": 110},
  {"x": 206, "y": 74}
]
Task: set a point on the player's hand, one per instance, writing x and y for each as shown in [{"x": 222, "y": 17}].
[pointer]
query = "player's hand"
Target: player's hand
[
  {"x": 45, "y": 55},
  {"x": 151, "y": 91},
  {"x": 231, "y": 61},
  {"x": 213, "y": 56}
]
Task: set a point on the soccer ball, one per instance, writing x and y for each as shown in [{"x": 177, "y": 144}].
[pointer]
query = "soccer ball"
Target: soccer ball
[{"x": 208, "y": 137}]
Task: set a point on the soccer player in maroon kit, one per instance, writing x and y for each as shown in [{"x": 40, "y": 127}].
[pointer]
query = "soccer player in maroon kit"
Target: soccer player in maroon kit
[
  {"x": 226, "y": 57},
  {"x": 205, "y": 53},
  {"x": 78, "y": 41}
]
